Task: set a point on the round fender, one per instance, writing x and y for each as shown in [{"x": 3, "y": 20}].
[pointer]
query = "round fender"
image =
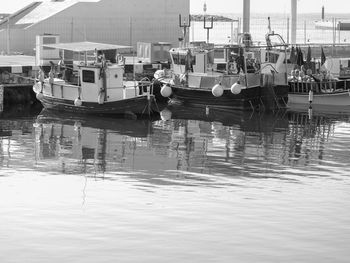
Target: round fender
[
  {"x": 166, "y": 91},
  {"x": 40, "y": 96},
  {"x": 78, "y": 102},
  {"x": 236, "y": 88},
  {"x": 37, "y": 87},
  {"x": 101, "y": 98},
  {"x": 217, "y": 90}
]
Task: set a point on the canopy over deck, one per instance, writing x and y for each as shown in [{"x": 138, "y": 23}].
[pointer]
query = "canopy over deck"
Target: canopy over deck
[{"x": 85, "y": 46}]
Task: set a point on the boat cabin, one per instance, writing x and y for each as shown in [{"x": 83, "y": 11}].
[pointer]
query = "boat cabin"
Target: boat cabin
[
  {"x": 198, "y": 68},
  {"x": 186, "y": 60},
  {"x": 196, "y": 60},
  {"x": 274, "y": 57},
  {"x": 96, "y": 78},
  {"x": 92, "y": 78}
]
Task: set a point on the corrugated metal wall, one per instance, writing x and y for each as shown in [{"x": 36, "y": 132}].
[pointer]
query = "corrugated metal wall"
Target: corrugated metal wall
[{"x": 111, "y": 21}]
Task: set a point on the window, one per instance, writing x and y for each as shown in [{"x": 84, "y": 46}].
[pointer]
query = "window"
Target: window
[
  {"x": 49, "y": 40},
  {"x": 179, "y": 59},
  {"x": 89, "y": 76}
]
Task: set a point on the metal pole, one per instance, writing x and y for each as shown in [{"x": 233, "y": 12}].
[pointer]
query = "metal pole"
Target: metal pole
[
  {"x": 288, "y": 30},
  {"x": 192, "y": 31},
  {"x": 8, "y": 36},
  {"x": 294, "y": 21},
  {"x": 246, "y": 16},
  {"x": 130, "y": 33},
  {"x": 333, "y": 19},
  {"x": 304, "y": 32},
  {"x": 231, "y": 33}
]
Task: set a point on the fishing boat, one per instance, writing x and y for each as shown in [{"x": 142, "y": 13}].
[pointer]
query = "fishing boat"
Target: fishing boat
[
  {"x": 323, "y": 82},
  {"x": 235, "y": 81},
  {"x": 319, "y": 83},
  {"x": 94, "y": 86}
]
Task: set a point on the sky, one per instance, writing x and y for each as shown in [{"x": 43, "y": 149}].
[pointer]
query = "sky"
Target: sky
[
  {"x": 270, "y": 6},
  {"x": 232, "y": 6}
]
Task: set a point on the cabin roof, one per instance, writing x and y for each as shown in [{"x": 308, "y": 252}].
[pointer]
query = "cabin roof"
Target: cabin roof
[{"x": 85, "y": 46}]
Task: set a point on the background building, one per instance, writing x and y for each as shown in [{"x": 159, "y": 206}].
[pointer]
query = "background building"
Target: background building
[{"x": 123, "y": 22}]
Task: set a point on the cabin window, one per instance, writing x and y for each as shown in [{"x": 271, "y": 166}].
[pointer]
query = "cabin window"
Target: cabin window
[
  {"x": 179, "y": 59},
  {"x": 88, "y": 76}
]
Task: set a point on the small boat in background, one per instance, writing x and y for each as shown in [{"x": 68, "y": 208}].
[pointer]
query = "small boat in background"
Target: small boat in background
[
  {"x": 334, "y": 24},
  {"x": 95, "y": 86}
]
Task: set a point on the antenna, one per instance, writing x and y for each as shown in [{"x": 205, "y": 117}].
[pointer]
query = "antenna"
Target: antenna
[
  {"x": 185, "y": 25},
  {"x": 208, "y": 27}
]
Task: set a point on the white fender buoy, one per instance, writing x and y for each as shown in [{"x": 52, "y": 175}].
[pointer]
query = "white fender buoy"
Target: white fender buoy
[
  {"x": 236, "y": 88},
  {"x": 160, "y": 73},
  {"x": 78, "y": 102},
  {"x": 166, "y": 91},
  {"x": 101, "y": 98},
  {"x": 40, "y": 96},
  {"x": 217, "y": 90},
  {"x": 37, "y": 87},
  {"x": 165, "y": 114}
]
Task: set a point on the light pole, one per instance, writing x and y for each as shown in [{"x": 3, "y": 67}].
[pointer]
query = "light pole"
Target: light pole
[
  {"x": 294, "y": 21},
  {"x": 246, "y": 16}
]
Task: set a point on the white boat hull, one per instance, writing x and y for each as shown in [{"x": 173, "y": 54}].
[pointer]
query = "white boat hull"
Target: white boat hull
[{"x": 341, "y": 98}]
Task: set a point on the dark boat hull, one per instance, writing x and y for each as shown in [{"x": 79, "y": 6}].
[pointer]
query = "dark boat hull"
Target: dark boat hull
[
  {"x": 254, "y": 98},
  {"x": 138, "y": 106}
]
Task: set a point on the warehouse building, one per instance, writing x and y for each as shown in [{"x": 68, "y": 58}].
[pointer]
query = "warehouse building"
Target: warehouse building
[{"x": 123, "y": 22}]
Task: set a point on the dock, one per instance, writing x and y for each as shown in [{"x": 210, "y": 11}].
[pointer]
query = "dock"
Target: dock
[{"x": 17, "y": 74}]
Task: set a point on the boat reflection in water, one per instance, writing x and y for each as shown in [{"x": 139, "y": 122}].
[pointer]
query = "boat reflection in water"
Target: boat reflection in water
[
  {"x": 185, "y": 146},
  {"x": 88, "y": 144}
]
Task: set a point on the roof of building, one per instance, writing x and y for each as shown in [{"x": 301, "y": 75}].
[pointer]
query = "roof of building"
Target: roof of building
[{"x": 39, "y": 11}]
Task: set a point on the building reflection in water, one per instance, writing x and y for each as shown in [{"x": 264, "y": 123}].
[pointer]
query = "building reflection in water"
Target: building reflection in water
[{"x": 185, "y": 142}]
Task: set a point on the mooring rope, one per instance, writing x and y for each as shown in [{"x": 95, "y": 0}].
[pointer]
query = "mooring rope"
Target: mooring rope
[{"x": 19, "y": 76}]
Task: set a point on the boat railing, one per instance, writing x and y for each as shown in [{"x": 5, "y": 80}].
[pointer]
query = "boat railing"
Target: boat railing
[
  {"x": 130, "y": 88},
  {"x": 321, "y": 86}
]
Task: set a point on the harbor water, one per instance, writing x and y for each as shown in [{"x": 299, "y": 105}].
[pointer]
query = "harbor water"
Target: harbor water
[{"x": 192, "y": 186}]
